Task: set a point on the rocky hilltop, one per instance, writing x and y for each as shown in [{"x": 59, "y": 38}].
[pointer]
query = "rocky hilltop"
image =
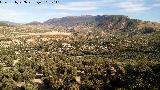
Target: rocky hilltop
[{"x": 106, "y": 22}]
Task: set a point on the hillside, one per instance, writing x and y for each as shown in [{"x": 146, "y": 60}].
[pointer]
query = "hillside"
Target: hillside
[
  {"x": 107, "y": 52},
  {"x": 8, "y": 23},
  {"x": 34, "y": 23},
  {"x": 105, "y": 22},
  {"x": 71, "y": 20}
]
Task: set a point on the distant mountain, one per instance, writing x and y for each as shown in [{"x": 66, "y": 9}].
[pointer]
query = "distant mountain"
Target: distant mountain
[
  {"x": 124, "y": 23},
  {"x": 34, "y": 23},
  {"x": 71, "y": 20},
  {"x": 8, "y": 23},
  {"x": 106, "y": 22}
]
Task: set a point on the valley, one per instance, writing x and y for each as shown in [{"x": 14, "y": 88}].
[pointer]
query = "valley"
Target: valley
[{"x": 103, "y": 52}]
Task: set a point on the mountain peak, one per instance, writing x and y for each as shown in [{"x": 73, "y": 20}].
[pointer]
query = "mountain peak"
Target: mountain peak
[{"x": 105, "y": 22}]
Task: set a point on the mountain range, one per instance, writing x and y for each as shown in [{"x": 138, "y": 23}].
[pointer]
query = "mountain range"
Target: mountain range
[{"x": 106, "y": 22}]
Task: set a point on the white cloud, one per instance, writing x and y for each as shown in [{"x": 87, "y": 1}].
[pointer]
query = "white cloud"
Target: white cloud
[
  {"x": 126, "y": 5},
  {"x": 132, "y": 7},
  {"x": 84, "y": 5},
  {"x": 25, "y": 16},
  {"x": 156, "y": 5},
  {"x": 10, "y": 14},
  {"x": 157, "y": 0},
  {"x": 35, "y": 12},
  {"x": 76, "y": 8}
]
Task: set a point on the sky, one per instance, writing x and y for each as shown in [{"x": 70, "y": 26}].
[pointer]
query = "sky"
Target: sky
[{"x": 148, "y": 10}]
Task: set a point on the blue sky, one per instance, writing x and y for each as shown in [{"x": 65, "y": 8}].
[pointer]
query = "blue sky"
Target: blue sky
[{"x": 148, "y": 10}]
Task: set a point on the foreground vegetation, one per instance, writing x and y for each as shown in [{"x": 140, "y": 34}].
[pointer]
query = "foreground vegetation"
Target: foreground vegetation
[{"x": 85, "y": 60}]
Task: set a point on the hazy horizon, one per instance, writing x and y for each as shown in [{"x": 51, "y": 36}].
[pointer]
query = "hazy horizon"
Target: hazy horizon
[
  {"x": 146, "y": 10},
  {"x": 69, "y": 16}
]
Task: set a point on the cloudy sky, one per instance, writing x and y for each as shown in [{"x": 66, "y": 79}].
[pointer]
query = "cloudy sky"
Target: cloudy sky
[{"x": 148, "y": 10}]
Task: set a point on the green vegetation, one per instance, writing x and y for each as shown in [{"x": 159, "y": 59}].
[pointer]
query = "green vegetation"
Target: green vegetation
[{"x": 92, "y": 59}]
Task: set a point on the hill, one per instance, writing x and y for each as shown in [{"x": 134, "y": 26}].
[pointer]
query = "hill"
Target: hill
[
  {"x": 7, "y": 23},
  {"x": 71, "y": 20},
  {"x": 34, "y": 23},
  {"x": 104, "y": 52},
  {"x": 105, "y": 22}
]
